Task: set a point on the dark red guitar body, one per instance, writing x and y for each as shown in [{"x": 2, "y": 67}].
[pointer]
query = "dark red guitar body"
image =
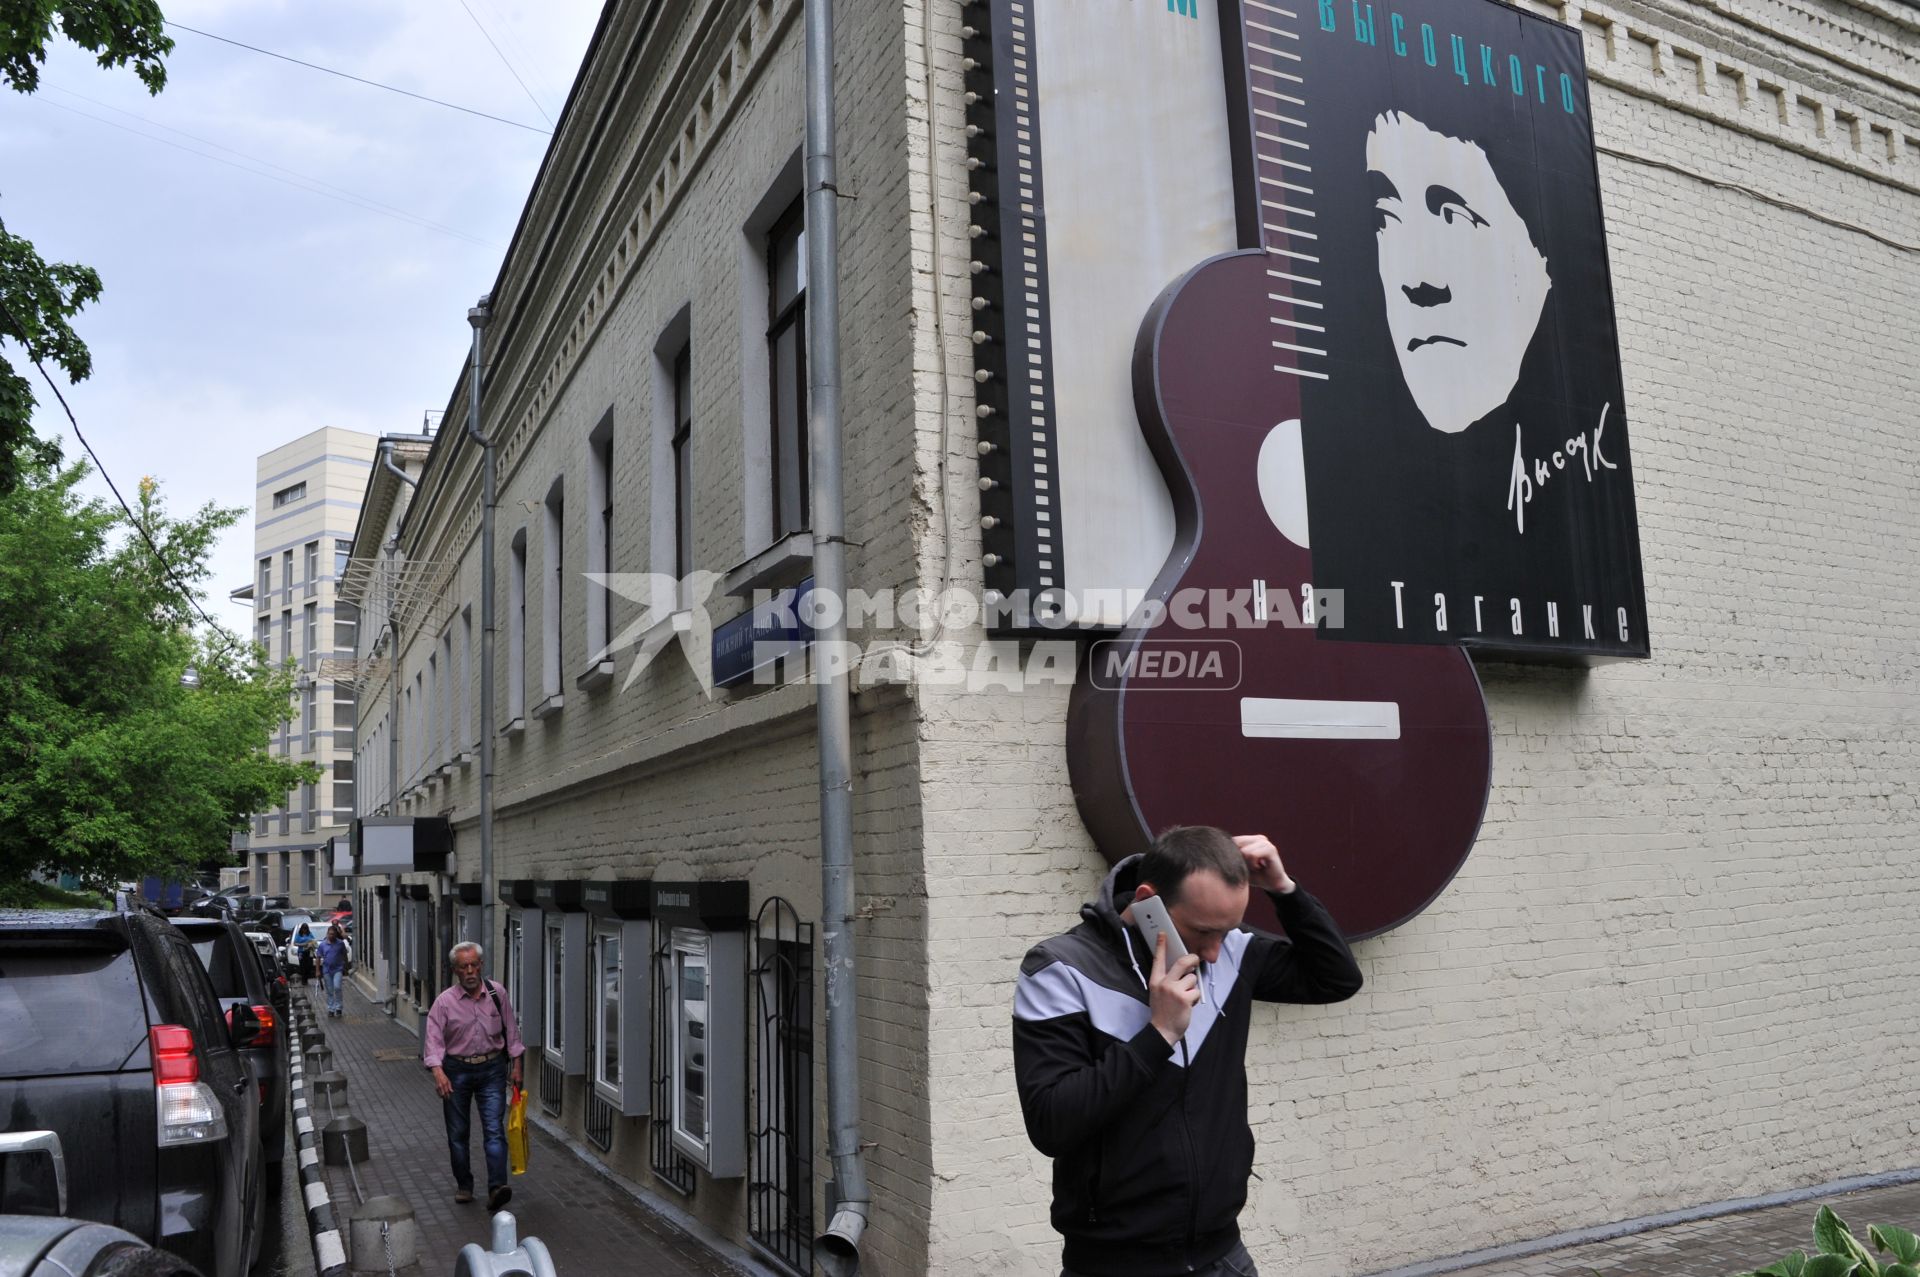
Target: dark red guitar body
[{"x": 1374, "y": 827}]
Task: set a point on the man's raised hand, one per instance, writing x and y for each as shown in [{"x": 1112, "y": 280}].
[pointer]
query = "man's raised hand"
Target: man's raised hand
[
  {"x": 1172, "y": 994},
  {"x": 1263, "y": 862}
]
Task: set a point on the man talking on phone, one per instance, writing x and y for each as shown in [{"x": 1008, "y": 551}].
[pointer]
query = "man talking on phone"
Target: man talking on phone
[{"x": 1131, "y": 1060}]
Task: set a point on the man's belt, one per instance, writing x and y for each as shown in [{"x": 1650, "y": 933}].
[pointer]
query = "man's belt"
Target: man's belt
[{"x": 478, "y": 1059}]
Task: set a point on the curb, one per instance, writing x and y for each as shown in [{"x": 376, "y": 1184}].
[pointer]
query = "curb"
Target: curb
[{"x": 329, "y": 1252}]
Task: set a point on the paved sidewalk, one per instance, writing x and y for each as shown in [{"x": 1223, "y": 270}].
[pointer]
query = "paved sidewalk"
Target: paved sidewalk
[
  {"x": 590, "y": 1225},
  {"x": 1714, "y": 1247}
]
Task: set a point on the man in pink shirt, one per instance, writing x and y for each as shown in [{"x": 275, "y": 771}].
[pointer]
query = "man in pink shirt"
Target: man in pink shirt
[{"x": 473, "y": 1048}]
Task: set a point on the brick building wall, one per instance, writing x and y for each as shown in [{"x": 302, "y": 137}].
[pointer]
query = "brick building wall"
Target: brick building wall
[{"x": 1639, "y": 991}]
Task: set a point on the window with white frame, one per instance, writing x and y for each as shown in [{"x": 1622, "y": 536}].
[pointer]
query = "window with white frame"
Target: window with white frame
[
  {"x": 609, "y": 984},
  {"x": 516, "y": 627},
  {"x": 683, "y": 463},
  {"x": 346, "y": 625},
  {"x": 286, "y": 627},
  {"x": 266, "y": 582},
  {"x": 443, "y": 732},
  {"x": 553, "y": 596},
  {"x": 688, "y": 1050},
  {"x": 286, "y": 574},
  {"x": 310, "y": 634},
  {"x": 467, "y": 731},
  {"x": 787, "y": 358},
  {"x": 515, "y": 954},
  {"x": 312, "y": 563},
  {"x": 287, "y": 496},
  {"x": 600, "y": 539}
]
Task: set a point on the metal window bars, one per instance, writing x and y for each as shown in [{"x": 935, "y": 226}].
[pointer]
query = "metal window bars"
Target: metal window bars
[{"x": 780, "y": 1173}]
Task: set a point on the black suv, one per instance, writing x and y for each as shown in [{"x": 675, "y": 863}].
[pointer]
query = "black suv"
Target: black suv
[
  {"x": 238, "y": 980},
  {"x": 115, "y": 1045}
]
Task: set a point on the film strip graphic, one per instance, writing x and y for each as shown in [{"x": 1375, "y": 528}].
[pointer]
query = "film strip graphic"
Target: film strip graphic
[
  {"x": 1283, "y": 182},
  {"x": 1020, "y": 526}
]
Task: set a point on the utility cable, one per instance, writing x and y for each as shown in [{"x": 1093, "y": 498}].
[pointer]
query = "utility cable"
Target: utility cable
[
  {"x": 314, "y": 66},
  {"x": 1762, "y": 196},
  {"x": 298, "y": 180},
  {"x": 193, "y": 601},
  {"x": 508, "y": 65}
]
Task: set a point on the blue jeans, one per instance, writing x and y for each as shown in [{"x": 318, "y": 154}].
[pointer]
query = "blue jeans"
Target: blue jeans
[
  {"x": 486, "y": 1083},
  {"x": 333, "y": 979}
]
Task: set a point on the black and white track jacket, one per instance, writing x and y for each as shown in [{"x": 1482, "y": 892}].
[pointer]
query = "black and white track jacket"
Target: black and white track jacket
[{"x": 1150, "y": 1142}]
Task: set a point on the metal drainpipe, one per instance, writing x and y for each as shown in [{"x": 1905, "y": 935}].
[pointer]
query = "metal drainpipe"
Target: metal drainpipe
[
  {"x": 839, "y": 1253},
  {"x": 479, "y": 317},
  {"x": 393, "y": 739}
]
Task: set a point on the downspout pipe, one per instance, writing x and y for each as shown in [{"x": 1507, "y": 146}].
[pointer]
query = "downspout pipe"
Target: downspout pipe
[
  {"x": 478, "y": 318},
  {"x": 839, "y": 1247},
  {"x": 393, "y": 737}
]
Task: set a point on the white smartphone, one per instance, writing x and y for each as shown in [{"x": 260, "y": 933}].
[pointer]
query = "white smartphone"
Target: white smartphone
[{"x": 1151, "y": 914}]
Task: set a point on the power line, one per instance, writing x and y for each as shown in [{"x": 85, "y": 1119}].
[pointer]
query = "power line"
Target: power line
[
  {"x": 167, "y": 568},
  {"x": 305, "y": 183},
  {"x": 503, "y": 61},
  {"x": 314, "y": 66}
]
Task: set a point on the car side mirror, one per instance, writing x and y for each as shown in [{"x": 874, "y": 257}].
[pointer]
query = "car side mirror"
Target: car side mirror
[{"x": 243, "y": 1025}]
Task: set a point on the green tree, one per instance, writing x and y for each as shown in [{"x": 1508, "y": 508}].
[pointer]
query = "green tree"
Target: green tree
[
  {"x": 115, "y": 761},
  {"x": 38, "y": 299}
]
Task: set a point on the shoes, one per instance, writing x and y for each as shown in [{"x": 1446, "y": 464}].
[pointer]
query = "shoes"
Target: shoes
[
  {"x": 463, "y": 1195},
  {"x": 498, "y": 1197}
]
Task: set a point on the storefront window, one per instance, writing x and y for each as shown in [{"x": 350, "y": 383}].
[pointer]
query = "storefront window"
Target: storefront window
[
  {"x": 552, "y": 1035},
  {"x": 690, "y": 1036},
  {"x": 606, "y": 1023}
]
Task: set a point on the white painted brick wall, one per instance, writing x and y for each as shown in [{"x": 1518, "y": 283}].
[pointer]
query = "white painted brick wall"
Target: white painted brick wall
[{"x": 1635, "y": 995}]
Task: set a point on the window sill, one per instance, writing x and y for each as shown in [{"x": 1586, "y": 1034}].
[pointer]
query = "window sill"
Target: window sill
[
  {"x": 550, "y": 706},
  {"x": 786, "y": 562},
  {"x": 514, "y": 728},
  {"x": 464, "y": 759},
  {"x": 597, "y": 676}
]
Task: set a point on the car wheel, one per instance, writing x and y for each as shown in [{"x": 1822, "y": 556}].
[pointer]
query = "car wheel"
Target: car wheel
[{"x": 142, "y": 1263}]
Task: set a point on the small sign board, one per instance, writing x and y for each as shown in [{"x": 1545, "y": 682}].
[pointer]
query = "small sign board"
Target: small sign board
[{"x": 774, "y": 629}]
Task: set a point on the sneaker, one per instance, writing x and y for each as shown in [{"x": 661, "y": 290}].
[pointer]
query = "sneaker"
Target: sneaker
[
  {"x": 463, "y": 1195},
  {"x": 498, "y": 1197}
]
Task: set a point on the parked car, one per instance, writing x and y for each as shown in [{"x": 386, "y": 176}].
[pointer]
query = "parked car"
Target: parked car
[
  {"x": 233, "y": 964},
  {"x": 54, "y": 1246},
  {"x": 276, "y": 975},
  {"x": 115, "y": 1050}
]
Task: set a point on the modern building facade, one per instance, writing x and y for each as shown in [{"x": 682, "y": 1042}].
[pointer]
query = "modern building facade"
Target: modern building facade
[
  {"x": 1678, "y": 860},
  {"x": 307, "y": 497}
]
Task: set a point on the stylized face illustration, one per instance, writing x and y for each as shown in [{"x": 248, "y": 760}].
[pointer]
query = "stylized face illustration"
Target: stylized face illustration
[{"x": 1464, "y": 284}]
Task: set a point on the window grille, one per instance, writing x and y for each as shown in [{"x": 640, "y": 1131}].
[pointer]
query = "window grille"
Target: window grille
[
  {"x": 599, "y": 1121},
  {"x": 780, "y": 1176},
  {"x": 553, "y": 1081}
]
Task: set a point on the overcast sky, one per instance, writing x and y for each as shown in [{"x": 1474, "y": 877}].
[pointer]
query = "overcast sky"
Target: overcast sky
[{"x": 240, "y": 311}]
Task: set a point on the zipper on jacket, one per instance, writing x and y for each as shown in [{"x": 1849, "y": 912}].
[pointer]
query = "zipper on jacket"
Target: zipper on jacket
[{"x": 1193, "y": 1163}]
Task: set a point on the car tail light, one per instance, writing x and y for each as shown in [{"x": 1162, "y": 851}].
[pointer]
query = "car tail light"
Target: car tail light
[
  {"x": 188, "y": 1110},
  {"x": 263, "y": 1036}
]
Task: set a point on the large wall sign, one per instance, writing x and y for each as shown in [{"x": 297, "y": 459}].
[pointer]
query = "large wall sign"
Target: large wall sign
[
  {"x": 1460, "y": 464},
  {"x": 1467, "y": 469}
]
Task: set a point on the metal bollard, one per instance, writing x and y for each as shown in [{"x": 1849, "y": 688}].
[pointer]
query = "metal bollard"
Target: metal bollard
[
  {"x": 382, "y": 1235},
  {"x": 343, "y": 1140},
  {"x": 508, "y": 1258}
]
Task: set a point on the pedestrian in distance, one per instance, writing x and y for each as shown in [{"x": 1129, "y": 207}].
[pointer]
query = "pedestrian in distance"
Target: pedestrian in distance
[
  {"x": 473, "y": 1049},
  {"x": 303, "y": 948},
  {"x": 336, "y": 958},
  {"x": 1131, "y": 1067}
]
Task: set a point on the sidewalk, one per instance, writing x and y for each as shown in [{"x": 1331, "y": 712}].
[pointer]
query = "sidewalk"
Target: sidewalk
[
  {"x": 1715, "y": 1247},
  {"x": 590, "y": 1224}
]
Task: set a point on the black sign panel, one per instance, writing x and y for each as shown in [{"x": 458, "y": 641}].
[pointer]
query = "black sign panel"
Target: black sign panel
[{"x": 1467, "y": 470}]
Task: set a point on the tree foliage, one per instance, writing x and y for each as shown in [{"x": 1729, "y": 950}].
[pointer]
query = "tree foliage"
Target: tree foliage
[
  {"x": 38, "y": 299},
  {"x": 111, "y": 765}
]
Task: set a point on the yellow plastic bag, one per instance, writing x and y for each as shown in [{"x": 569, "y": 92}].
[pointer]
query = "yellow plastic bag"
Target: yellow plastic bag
[{"x": 517, "y": 1132}]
